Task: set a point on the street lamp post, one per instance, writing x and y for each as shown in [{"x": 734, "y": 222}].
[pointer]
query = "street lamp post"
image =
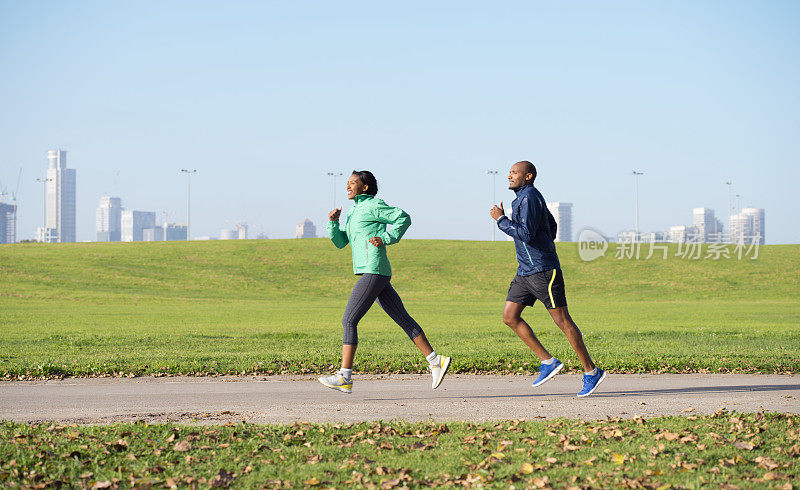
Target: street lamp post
[
  {"x": 333, "y": 176},
  {"x": 738, "y": 203},
  {"x": 188, "y": 199},
  {"x": 730, "y": 213},
  {"x": 636, "y": 191},
  {"x": 44, "y": 209},
  {"x": 493, "y": 173}
]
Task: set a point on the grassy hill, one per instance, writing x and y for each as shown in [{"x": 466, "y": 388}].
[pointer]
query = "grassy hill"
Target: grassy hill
[{"x": 276, "y": 306}]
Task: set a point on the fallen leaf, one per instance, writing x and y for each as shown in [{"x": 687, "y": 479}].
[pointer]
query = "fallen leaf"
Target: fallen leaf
[
  {"x": 551, "y": 460},
  {"x": 743, "y": 445},
  {"x": 527, "y": 468},
  {"x": 540, "y": 482},
  {"x": 617, "y": 458},
  {"x": 222, "y": 479},
  {"x": 391, "y": 483},
  {"x": 313, "y": 481},
  {"x": 102, "y": 484},
  {"x": 182, "y": 446},
  {"x": 766, "y": 463}
]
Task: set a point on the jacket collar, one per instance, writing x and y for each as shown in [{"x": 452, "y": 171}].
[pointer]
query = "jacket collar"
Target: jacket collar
[
  {"x": 362, "y": 197},
  {"x": 517, "y": 191}
]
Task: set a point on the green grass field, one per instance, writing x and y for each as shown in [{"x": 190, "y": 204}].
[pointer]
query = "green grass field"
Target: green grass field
[
  {"x": 724, "y": 450},
  {"x": 272, "y": 306}
]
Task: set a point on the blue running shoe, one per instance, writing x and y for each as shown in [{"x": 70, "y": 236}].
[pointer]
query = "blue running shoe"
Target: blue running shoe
[
  {"x": 547, "y": 371},
  {"x": 590, "y": 383}
]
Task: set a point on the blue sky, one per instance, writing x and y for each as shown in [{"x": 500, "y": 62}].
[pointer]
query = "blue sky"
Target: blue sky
[{"x": 264, "y": 98}]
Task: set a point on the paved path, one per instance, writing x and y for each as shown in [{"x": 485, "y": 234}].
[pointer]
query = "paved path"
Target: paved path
[{"x": 281, "y": 399}]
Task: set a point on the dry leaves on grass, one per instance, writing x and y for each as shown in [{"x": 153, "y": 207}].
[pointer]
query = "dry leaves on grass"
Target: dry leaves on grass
[
  {"x": 182, "y": 446},
  {"x": 222, "y": 479},
  {"x": 743, "y": 445}
]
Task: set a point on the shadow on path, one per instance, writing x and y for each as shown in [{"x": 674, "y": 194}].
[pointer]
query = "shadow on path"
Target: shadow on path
[{"x": 611, "y": 394}]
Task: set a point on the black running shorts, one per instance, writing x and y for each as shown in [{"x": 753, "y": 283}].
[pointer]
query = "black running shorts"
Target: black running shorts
[{"x": 547, "y": 287}]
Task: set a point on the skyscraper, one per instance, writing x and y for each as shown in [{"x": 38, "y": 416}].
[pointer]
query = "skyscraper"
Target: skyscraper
[
  {"x": 174, "y": 231},
  {"x": 241, "y": 229},
  {"x": 134, "y": 224},
  {"x": 748, "y": 226},
  {"x": 60, "y": 201},
  {"x": 708, "y": 228},
  {"x": 108, "y": 222},
  {"x": 306, "y": 229},
  {"x": 8, "y": 223},
  {"x": 562, "y": 212}
]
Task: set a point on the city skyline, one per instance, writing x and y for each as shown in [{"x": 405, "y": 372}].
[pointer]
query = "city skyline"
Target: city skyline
[
  {"x": 280, "y": 96},
  {"x": 115, "y": 223}
]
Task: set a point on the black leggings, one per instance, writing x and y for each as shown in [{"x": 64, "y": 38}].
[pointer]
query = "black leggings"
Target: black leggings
[{"x": 368, "y": 288}]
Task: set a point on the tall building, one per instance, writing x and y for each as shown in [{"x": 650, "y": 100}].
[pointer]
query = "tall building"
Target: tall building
[
  {"x": 153, "y": 234},
  {"x": 562, "y": 212},
  {"x": 241, "y": 229},
  {"x": 306, "y": 229},
  {"x": 707, "y": 227},
  {"x": 134, "y": 223},
  {"x": 8, "y": 223},
  {"x": 748, "y": 226},
  {"x": 60, "y": 199},
  {"x": 681, "y": 233},
  {"x": 108, "y": 219},
  {"x": 226, "y": 234},
  {"x": 174, "y": 232}
]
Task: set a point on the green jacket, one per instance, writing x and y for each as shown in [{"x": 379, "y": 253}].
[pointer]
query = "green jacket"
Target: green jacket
[{"x": 367, "y": 218}]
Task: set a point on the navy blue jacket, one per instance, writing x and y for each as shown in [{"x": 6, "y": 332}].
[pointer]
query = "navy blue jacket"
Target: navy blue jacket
[{"x": 533, "y": 229}]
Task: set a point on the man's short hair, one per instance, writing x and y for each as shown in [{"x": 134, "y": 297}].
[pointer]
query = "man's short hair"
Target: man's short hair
[{"x": 529, "y": 168}]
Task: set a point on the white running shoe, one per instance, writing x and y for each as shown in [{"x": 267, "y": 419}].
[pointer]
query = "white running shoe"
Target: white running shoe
[
  {"x": 439, "y": 370},
  {"x": 337, "y": 382}
]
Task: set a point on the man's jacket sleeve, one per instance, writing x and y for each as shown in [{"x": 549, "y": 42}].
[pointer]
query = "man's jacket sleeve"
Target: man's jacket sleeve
[
  {"x": 338, "y": 237},
  {"x": 524, "y": 228},
  {"x": 399, "y": 219}
]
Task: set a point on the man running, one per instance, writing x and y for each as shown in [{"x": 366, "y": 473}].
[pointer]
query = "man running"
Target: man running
[{"x": 539, "y": 276}]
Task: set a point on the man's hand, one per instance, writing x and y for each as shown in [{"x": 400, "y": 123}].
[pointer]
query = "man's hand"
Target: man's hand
[
  {"x": 334, "y": 215},
  {"x": 376, "y": 241},
  {"x": 497, "y": 211}
]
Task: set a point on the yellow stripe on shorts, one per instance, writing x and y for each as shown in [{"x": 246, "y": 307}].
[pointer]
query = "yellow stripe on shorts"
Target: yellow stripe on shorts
[{"x": 550, "y": 289}]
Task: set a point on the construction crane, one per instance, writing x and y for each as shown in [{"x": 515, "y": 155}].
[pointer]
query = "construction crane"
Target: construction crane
[{"x": 16, "y": 191}]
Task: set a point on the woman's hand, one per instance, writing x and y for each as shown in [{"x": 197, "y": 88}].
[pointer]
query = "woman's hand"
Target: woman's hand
[
  {"x": 334, "y": 215},
  {"x": 376, "y": 241}
]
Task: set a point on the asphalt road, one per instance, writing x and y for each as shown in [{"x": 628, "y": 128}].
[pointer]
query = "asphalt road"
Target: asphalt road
[{"x": 282, "y": 399}]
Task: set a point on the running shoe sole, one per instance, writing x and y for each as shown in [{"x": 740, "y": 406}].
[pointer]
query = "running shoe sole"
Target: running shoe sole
[
  {"x": 603, "y": 377},
  {"x": 555, "y": 371},
  {"x": 445, "y": 367},
  {"x": 342, "y": 388}
]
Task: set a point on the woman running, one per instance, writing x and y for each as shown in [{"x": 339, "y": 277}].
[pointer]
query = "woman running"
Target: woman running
[{"x": 365, "y": 231}]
